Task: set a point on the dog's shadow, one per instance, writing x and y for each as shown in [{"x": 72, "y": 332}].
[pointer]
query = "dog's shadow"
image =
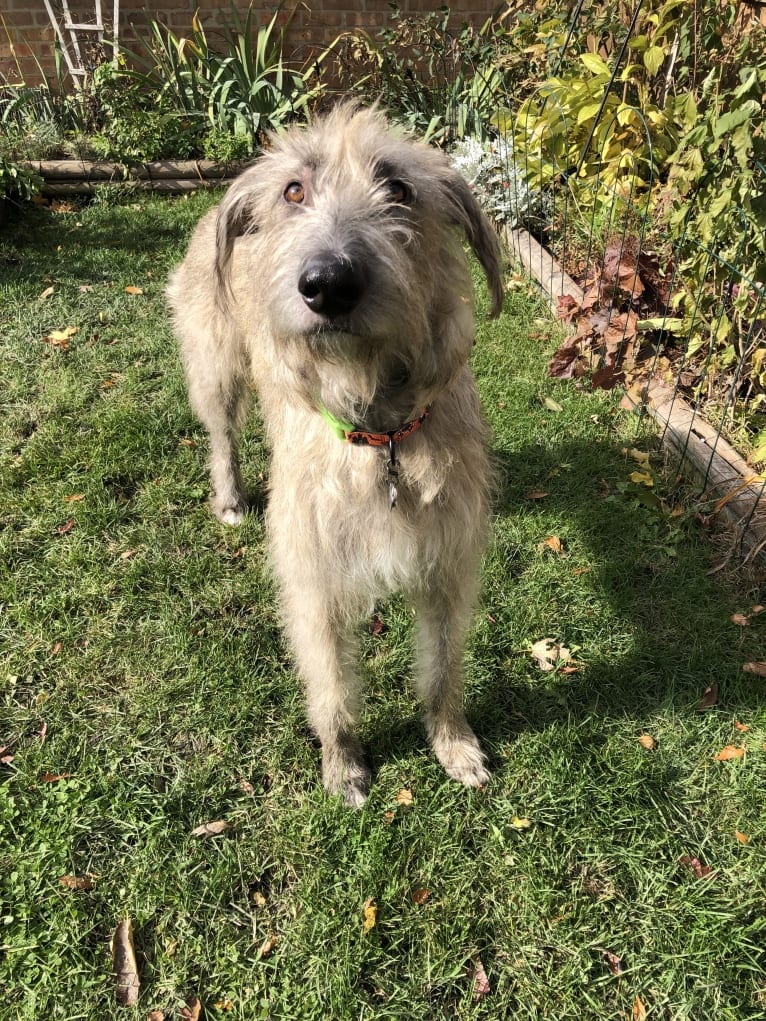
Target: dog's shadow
[{"x": 649, "y": 575}]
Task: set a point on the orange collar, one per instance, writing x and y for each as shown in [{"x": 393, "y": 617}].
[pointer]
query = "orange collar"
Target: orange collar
[{"x": 369, "y": 439}]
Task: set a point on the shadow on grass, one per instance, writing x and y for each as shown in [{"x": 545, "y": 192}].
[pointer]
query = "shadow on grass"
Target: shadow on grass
[{"x": 673, "y": 634}]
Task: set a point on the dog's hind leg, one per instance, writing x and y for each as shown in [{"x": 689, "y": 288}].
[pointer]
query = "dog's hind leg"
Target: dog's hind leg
[
  {"x": 326, "y": 652},
  {"x": 220, "y": 397},
  {"x": 444, "y": 614}
]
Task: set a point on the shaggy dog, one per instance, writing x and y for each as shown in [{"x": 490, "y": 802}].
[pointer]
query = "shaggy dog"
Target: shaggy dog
[{"x": 332, "y": 277}]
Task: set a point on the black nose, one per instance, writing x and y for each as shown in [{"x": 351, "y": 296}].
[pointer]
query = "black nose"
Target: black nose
[{"x": 331, "y": 284}]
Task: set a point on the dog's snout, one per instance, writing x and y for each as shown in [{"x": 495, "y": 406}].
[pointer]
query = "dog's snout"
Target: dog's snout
[{"x": 331, "y": 285}]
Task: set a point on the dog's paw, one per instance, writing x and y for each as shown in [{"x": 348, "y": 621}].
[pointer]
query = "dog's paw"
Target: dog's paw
[
  {"x": 230, "y": 513},
  {"x": 346, "y": 776},
  {"x": 462, "y": 758}
]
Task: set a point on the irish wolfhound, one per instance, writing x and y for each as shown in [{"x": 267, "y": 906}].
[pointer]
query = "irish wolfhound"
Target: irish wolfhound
[{"x": 332, "y": 277}]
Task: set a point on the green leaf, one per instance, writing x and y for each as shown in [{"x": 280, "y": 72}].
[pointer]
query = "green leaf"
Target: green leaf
[
  {"x": 729, "y": 121},
  {"x": 594, "y": 63},
  {"x": 653, "y": 59}
]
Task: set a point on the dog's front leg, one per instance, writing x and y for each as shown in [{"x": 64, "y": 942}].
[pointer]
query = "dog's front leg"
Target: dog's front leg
[
  {"x": 326, "y": 652},
  {"x": 444, "y": 614}
]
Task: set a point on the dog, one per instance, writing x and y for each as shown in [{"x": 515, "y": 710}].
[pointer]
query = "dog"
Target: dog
[{"x": 332, "y": 277}]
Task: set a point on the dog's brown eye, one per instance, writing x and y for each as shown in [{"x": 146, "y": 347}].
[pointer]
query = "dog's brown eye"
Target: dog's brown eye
[
  {"x": 295, "y": 192},
  {"x": 399, "y": 192}
]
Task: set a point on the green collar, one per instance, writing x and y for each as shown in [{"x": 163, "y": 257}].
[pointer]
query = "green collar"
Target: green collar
[{"x": 338, "y": 426}]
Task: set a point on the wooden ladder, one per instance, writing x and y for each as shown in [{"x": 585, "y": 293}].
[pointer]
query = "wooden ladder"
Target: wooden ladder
[{"x": 80, "y": 30}]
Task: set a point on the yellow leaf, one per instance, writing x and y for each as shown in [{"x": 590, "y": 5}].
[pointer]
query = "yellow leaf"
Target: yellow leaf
[
  {"x": 370, "y": 915},
  {"x": 639, "y": 1010},
  {"x": 648, "y": 742},
  {"x": 638, "y": 455},
  {"x": 268, "y": 945},
  {"x": 642, "y": 478},
  {"x": 520, "y": 824},
  {"x": 133, "y": 290},
  {"x": 743, "y": 838},
  {"x": 224, "y": 1004},
  {"x": 552, "y": 543},
  {"x": 404, "y": 798}
]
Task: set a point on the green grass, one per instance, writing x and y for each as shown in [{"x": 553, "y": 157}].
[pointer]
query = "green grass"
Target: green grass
[{"x": 144, "y": 639}]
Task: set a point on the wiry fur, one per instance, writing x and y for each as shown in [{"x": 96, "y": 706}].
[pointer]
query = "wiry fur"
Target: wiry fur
[{"x": 336, "y": 545}]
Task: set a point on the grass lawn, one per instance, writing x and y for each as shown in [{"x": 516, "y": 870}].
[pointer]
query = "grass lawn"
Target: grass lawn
[{"x": 145, "y": 690}]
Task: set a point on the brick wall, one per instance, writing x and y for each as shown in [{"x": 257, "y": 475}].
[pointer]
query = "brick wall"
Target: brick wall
[{"x": 316, "y": 23}]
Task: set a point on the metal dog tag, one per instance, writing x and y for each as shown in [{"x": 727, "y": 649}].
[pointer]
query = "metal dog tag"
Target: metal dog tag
[{"x": 392, "y": 474}]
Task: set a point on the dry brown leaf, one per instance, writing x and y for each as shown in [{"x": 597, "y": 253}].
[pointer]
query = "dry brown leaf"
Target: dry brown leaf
[
  {"x": 369, "y": 915},
  {"x": 405, "y": 798},
  {"x": 553, "y": 543},
  {"x": 210, "y": 829},
  {"x": 124, "y": 964},
  {"x": 60, "y": 338},
  {"x": 134, "y": 290},
  {"x": 740, "y": 619},
  {"x": 191, "y": 1011},
  {"x": 757, "y": 668},
  {"x": 729, "y": 752},
  {"x": 6, "y": 758},
  {"x": 614, "y": 962},
  {"x": 694, "y": 865},
  {"x": 535, "y": 494},
  {"x": 56, "y": 648},
  {"x": 225, "y": 1004},
  {"x": 259, "y": 900},
  {"x": 187, "y": 443},
  {"x": 47, "y": 293},
  {"x": 709, "y": 696},
  {"x": 743, "y": 838},
  {"x": 639, "y": 1010},
  {"x": 420, "y": 896},
  {"x": 268, "y": 945},
  {"x": 478, "y": 976},
  {"x": 548, "y": 654},
  {"x": 77, "y": 882},
  {"x": 54, "y": 777},
  {"x": 648, "y": 742},
  {"x": 155, "y": 1015},
  {"x": 66, "y": 527},
  {"x": 74, "y": 498},
  {"x": 741, "y": 727}
]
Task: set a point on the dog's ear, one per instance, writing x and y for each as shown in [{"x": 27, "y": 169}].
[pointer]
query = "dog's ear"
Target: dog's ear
[
  {"x": 468, "y": 214},
  {"x": 236, "y": 217}
]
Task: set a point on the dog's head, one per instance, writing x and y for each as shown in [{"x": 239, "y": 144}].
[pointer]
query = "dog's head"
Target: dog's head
[{"x": 352, "y": 228}]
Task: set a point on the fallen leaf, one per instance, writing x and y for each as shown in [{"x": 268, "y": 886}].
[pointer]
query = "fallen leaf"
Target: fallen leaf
[
  {"x": 639, "y": 1010},
  {"x": 47, "y": 293},
  {"x": 124, "y": 964},
  {"x": 614, "y": 962},
  {"x": 187, "y": 443},
  {"x": 259, "y": 900},
  {"x": 520, "y": 824},
  {"x": 369, "y": 915},
  {"x": 377, "y": 624},
  {"x": 641, "y": 456},
  {"x": 695, "y": 865},
  {"x": 758, "y": 668},
  {"x": 60, "y": 338},
  {"x": 641, "y": 478},
  {"x": 648, "y": 742},
  {"x": 134, "y": 290},
  {"x": 66, "y": 527},
  {"x": 405, "y": 798},
  {"x": 552, "y": 405},
  {"x": 420, "y": 896},
  {"x": 54, "y": 777},
  {"x": 191, "y": 1011},
  {"x": 225, "y": 1004},
  {"x": 552, "y": 543},
  {"x": 478, "y": 976},
  {"x": 535, "y": 494},
  {"x": 755, "y": 610},
  {"x": 740, "y": 619},
  {"x": 77, "y": 882},
  {"x": 729, "y": 752},
  {"x": 741, "y": 727},
  {"x": 709, "y": 696},
  {"x": 43, "y": 731},
  {"x": 268, "y": 945},
  {"x": 548, "y": 654},
  {"x": 210, "y": 829},
  {"x": 5, "y": 759},
  {"x": 127, "y": 554},
  {"x": 56, "y": 649},
  {"x": 581, "y": 570},
  {"x": 155, "y": 1015},
  {"x": 85, "y": 288},
  {"x": 74, "y": 498},
  {"x": 743, "y": 838}
]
